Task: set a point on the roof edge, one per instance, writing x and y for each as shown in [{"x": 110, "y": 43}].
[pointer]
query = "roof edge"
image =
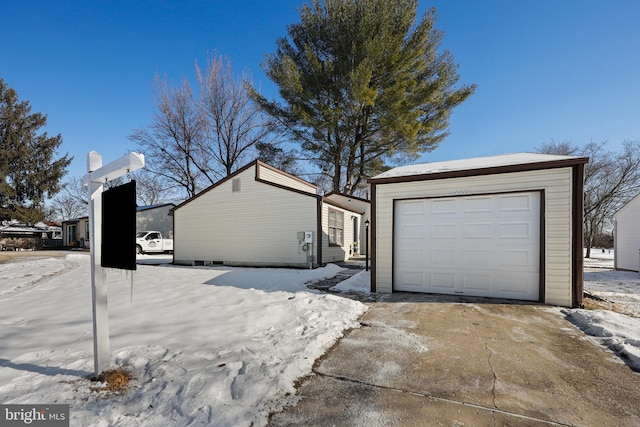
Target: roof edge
[{"x": 518, "y": 167}]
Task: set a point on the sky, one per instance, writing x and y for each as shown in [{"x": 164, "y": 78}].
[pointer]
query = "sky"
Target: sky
[{"x": 545, "y": 70}]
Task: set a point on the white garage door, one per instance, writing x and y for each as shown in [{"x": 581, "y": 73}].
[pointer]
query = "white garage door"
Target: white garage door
[{"x": 486, "y": 245}]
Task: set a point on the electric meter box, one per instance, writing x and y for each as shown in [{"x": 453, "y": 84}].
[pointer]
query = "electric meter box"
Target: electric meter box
[{"x": 308, "y": 236}]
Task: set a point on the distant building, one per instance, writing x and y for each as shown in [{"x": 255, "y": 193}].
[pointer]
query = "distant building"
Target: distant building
[
  {"x": 14, "y": 235},
  {"x": 75, "y": 233},
  {"x": 155, "y": 218},
  {"x": 627, "y": 236}
]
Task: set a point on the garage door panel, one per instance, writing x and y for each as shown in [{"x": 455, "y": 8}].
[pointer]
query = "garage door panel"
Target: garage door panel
[
  {"x": 479, "y": 230},
  {"x": 481, "y": 204},
  {"x": 412, "y": 232},
  {"x": 439, "y": 282},
  {"x": 476, "y": 282},
  {"x": 411, "y": 280},
  {"x": 442, "y": 206},
  {"x": 444, "y": 231},
  {"x": 475, "y": 245},
  {"x": 443, "y": 258},
  {"x": 413, "y": 207},
  {"x": 521, "y": 260},
  {"x": 477, "y": 258},
  {"x": 516, "y": 230},
  {"x": 511, "y": 285},
  {"x": 413, "y": 256},
  {"x": 516, "y": 202}
]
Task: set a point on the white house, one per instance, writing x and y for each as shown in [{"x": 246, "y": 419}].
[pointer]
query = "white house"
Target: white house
[
  {"x": 262, "y": 216},
  {"x": 627, "y": 236},
  {"x": 505, "y": 226}
]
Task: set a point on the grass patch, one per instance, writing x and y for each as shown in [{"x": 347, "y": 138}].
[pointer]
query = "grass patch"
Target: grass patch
[{"x": 114, "y": 381}]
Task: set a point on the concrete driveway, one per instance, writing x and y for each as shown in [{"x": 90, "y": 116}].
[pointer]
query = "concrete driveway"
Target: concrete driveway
[{"x": 432, "y": 360}]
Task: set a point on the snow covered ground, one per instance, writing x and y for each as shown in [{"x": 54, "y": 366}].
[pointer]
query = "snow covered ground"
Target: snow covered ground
[
  {"x": 618, "y": 328},
  {"x": 207, "y": 346}
]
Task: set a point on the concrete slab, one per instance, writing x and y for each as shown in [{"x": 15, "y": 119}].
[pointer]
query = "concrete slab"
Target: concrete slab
[{"x": 424, "y": 361}]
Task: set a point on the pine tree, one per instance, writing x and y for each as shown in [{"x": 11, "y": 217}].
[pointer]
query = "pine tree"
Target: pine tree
[
  {"x": 363, "y": 86},
  {"x": 30, "y": 171}
]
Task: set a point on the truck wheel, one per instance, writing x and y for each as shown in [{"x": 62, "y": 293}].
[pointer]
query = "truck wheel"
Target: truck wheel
[{"x": 138, "y": 249}]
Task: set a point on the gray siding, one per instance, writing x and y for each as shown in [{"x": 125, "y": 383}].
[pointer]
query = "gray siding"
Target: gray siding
[{"x": 156, "y": 219}]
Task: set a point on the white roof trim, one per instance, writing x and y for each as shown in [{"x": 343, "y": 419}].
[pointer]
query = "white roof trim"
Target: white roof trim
[{"x": 471, "y": 164}]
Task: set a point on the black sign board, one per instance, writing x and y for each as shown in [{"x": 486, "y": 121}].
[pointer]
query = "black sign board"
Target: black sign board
[{"x": 119, "y": 227}]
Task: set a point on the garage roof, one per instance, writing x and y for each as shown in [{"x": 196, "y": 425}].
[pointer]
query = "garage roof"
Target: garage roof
[{"x": 478, "y": 166}]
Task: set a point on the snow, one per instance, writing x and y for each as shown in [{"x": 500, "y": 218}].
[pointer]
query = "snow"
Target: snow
[
  {"x": 360, "y": 282},
  {"x": 617, "y": 330},
  {"x": 207, "y": 346},
  {"x": 620, "y": 333},
  {"x": 473, "y": 164}
]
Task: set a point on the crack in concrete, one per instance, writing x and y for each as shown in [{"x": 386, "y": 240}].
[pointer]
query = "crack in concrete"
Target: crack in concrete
[
  {"x": 493, "y": 371},
  {"x": 493, "y": 410}
]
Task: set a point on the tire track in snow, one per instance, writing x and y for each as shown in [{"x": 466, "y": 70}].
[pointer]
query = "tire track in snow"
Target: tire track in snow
[{"x": 23, "y": 287}]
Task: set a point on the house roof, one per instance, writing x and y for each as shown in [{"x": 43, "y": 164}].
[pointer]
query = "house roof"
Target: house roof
[
  {"x": 342, "y": 206},
  {"x": 256, "y": 164},
  {"x": 69, "y": 221},
  {"x": 146, "y": 208},
  {"x": 336, "y": 193},
  {"x": 627, "y": 205},
  {"x": 480, "y": 165}
]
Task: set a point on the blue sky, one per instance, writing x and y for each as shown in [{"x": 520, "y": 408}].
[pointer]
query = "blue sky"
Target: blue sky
[{"x": 546, "y": 70}]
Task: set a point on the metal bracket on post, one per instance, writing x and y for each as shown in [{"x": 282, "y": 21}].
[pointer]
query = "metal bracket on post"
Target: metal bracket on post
[{"x": 95, "y": 179}]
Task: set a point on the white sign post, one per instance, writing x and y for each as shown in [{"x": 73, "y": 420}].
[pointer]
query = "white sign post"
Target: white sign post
[{"x": 95, "y": 179}]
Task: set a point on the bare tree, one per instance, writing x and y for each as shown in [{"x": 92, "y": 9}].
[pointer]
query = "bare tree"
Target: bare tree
[
  {"x": 611, "y": 179},
  {"x": 71, "y": 202},
  {"x": 172, "y": 144},
  {"x": 153, "y": 189},
  {"x": 234, "y": 123}
]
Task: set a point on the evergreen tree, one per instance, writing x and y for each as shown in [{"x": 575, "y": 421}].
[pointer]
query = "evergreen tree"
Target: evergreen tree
[
  {"x": 363, "y": 86},
  {"x": 29, "y": 169}
]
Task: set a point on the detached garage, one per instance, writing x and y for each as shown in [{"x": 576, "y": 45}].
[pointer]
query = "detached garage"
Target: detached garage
[{"x": 506, "y": 226}]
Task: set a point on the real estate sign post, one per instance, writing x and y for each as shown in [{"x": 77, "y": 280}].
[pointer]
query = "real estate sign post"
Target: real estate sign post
[{"x": 95, "y": 179}]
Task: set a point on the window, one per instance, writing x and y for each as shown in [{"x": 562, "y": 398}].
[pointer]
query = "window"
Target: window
[
  {"x": 336, "y": 228},
  {"x": 86, "y": 230},
  {"x": 235, "y": 185}
]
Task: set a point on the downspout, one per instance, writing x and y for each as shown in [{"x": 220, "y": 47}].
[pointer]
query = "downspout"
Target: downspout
[
  {"x": 578, "y": 236},
  {"x": 372, "y": 240},
  {"x": 319, "y": 236}
]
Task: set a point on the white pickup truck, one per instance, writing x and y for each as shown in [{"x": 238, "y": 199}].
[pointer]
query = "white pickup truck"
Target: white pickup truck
[{"x": 152, "y": 241}]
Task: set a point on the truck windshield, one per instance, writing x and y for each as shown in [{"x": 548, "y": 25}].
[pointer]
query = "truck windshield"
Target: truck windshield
[{"x": 140, "y": 234}]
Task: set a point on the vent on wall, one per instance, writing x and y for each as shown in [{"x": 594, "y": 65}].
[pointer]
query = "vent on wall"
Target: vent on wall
[
  {"x": 198, "y": 263},
  {"x": 235, "y": 185}
]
